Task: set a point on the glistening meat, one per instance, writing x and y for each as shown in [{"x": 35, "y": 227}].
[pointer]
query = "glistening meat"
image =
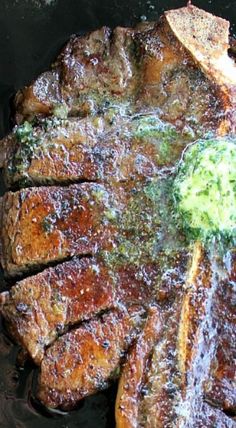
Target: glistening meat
[{"x": 115, "y": 288}]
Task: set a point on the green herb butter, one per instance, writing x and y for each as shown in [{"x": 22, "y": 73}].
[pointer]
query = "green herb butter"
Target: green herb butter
[{"x": 205, "y": 187}]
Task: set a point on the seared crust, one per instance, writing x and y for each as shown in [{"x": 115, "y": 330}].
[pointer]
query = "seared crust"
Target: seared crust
[
  {"x": 134, "y": 371},
  {"x": 63, "y": 221},
  {"x": 42, "y": 307},
  {"x": 152, "y": 67},
  {"x": 178, "y": 68},
  {"x": 182, "y": 366},
  {"x": 39, "y": 97},
  {"x": 78, "y": 67},
  {"x": 39, "y": 308},
  {"x": 220, "y": 385},
  {"x": 86, "y": 359}
]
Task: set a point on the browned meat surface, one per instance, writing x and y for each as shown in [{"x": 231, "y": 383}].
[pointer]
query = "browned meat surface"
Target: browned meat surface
[
  {"x": 63, "y": 221},
  {"x": 150, "y": 375},
  {"x": 40, "y": 307},
  {"x": 60, "y": 150},
  {"x": 152, "y": 66},
  {"x": 174, "y": 69},
  {"x": 188, "y": 358},
  {"x": 85, "y": 219},
  {"x": 118, "y": 108},
  {"x": 92, "y": 149},
  {"x": 84, "y": 360},
  {"x": 133, "y": 373}
]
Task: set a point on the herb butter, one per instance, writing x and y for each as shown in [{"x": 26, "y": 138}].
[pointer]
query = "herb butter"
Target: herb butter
[{"x": 205, "y": 187}]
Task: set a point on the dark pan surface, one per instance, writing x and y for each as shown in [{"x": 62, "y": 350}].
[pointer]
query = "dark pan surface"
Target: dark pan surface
[{"x": 31, "y": 34}]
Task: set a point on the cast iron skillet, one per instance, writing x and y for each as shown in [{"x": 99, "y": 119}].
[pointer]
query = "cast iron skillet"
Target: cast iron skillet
[{"x": 31, "y": 34}]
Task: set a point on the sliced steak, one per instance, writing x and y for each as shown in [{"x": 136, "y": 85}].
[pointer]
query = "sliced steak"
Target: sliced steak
[
  {"x": 210, "y": 360},
  {"x": 134, "y": 371},
  {"x": 40, "y": 307},
  {"x": 131, "y": 224},
  {"x": 219, "y": 386},
  {"x": 87, "y": 358},
  {"x": 43, "y": 225},
  {"x": 137, "y": 97},
  {"x": 63, "y": 151}
]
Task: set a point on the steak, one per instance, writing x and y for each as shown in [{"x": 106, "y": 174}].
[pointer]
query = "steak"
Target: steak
[
  {"x": 174, "y": 69},
  {"x": 134, "y": 371},
  {"x": 123, "y": 291},
  {"x": 85, "y": 359},
  {"x": 85, "y": 219},
  {"x": 168, "y": 382},
  {"x": 50, "y": 395},
  {"x": 149, "y": 67},
  {"x": 206, "y": 38},
  {"x": 63, "y": 151},
  {"x": 40, "y": 307},
  {"x": 64, "y": 221}
]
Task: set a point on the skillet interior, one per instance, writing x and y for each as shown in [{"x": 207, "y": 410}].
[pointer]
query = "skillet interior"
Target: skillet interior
[{"x": 31, "y": 34}]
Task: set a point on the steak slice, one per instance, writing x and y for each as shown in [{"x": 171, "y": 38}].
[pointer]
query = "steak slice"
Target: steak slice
[
  {"x": 134, "y": 370},
  {"x": 87, "y": 358},
  {"x": 157, "y": 66},
  {"x": 209, "y": 312},
  {"x": 131, "y": 224},
  {"x": 78, "y": 376},
  {"x": 190, "y": 370},
  {"x": 44, "y": 225},
  {"x": 39, "y": 308},
  {"x": 91, "y": 149},
  {"x": 152, "y": 363}
]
